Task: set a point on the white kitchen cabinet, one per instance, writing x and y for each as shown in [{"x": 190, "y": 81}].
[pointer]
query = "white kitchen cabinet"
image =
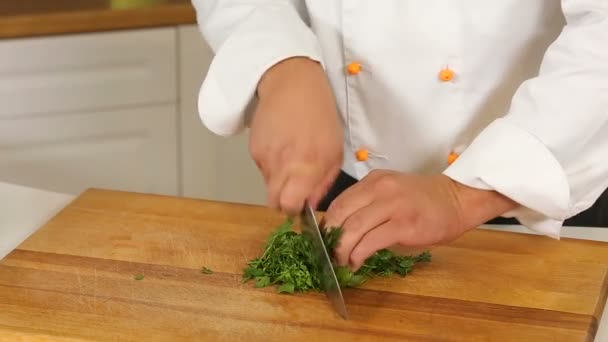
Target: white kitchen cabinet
[
  {"x": 213, "y": 167},
  {"x": 81, "y": 72},
  {"x": 90, "y": 110},
  {"x": 117, "y": 110},
  {"x": 127, "y": 149}
]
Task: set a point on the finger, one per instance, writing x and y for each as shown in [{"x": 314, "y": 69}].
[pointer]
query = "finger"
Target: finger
[
  {"x": 265, "y": 174},
  {"x": 276, "y": 182},
  {"x": 298, "y": 188},
  {"x": 357, "y": 225},
  {"x": 259, "y": 158},
  {"x": 352, "y": 199},
  {"x": 383, "y": 236},
  {"x": 262, "y": 165},
  {"x": 293, "y": 195}
]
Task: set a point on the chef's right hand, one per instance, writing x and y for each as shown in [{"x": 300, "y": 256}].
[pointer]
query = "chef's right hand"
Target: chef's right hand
[{"x": 296, "y": 136}]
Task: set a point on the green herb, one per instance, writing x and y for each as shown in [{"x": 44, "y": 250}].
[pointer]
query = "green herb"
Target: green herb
[
  {"x": 331, "y": 237},
  {"x": 288, "y": 262},
  {"x": 287, "y": 288},
  {"x": 139, "y": 277},
  {"x": 383, "y": 263},
  {"x": 206, "y": 270}
]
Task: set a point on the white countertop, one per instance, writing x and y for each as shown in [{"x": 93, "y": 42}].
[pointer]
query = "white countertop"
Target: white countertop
[{"x": 23, "y": 210}]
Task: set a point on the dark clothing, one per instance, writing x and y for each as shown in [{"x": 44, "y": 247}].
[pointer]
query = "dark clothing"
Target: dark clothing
[
  {"x": 596, "y": 216},
  {"x": 343, "y": 182}
]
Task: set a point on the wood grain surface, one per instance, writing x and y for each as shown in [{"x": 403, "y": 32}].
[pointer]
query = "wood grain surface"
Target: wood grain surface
[
  {"x": 73, "y": 280},
  {"x": 30, "y": 18}
]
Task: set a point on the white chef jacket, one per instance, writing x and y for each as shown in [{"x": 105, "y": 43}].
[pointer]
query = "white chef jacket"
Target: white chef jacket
[{"x": 526, "y": 108}]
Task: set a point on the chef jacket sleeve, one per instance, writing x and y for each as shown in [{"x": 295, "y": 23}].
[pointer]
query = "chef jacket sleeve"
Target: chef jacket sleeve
[
  {"x": 247, "y": 37},
  {"x": 549, "y": 153}
]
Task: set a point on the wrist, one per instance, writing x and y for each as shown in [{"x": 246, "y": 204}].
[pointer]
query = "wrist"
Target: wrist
[
  {"x": 478, "y": 206},
  {"x": 287, "y": 71}
]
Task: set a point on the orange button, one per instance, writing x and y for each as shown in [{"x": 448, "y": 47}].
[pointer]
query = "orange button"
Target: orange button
[
  {"x": 354, "y": 68},
  {"x": 362, "y": 154},
  {"x": 446, "y": 75},
  {"x": 452, "y": 157}
]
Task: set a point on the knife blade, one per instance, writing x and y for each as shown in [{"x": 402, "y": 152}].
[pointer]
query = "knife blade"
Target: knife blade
[{"x": 328, "y": 278}]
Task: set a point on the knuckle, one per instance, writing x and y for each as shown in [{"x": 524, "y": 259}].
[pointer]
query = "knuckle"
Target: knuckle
[
  {"x": 409, "y": 231},
  {"x": 354, "y": 222},
  {"x": 408, "y": 218},
  {"x": 336, "y": 208},
  {"x": 385, "y": 183},
  {"x": 261, "y": 161},
  {"x": 256, "y": 150},
  {"x": 374, "y": 173}
]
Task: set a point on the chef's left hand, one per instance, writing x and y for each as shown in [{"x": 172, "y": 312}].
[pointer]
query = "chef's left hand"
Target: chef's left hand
[{"x": 389, "y": 208}]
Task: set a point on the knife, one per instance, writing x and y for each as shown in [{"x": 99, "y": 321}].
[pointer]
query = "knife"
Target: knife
[{"x": 328, "y": 278}]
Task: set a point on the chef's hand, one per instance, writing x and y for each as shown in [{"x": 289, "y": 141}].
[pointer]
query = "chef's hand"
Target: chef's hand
[
  {"x": 296, "y": 137},
  {"x": 388, "y": 208}
]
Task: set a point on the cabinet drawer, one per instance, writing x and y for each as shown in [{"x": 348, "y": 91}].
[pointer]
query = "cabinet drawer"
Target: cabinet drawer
[
  {"x": 87, "y": 71},
  {"x": 132, "y": 150}
]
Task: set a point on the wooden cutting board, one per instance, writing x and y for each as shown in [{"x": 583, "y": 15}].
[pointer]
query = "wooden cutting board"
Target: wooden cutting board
[{"x": 74, "y": 280}]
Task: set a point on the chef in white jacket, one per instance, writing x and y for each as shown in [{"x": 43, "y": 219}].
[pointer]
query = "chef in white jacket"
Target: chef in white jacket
[{"x": 415, "y": 121}]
